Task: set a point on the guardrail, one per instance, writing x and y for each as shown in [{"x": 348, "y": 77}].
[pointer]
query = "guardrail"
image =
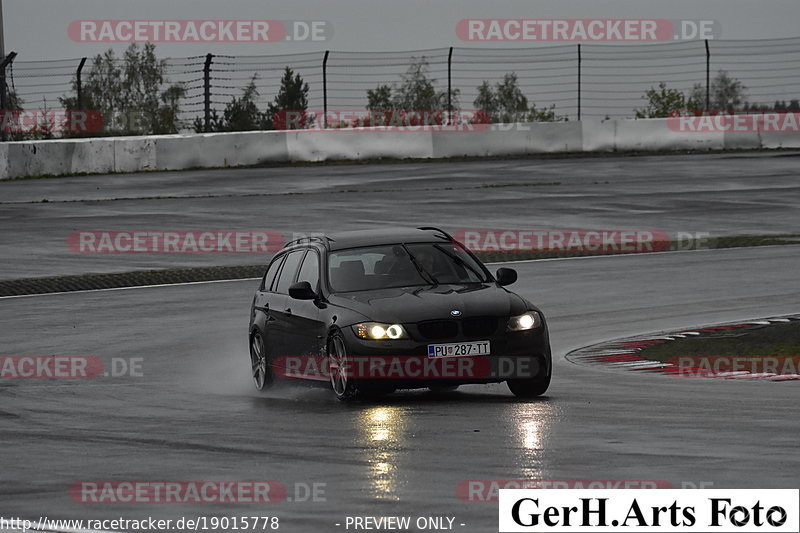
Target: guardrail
[{"x": 212, "y": 150}]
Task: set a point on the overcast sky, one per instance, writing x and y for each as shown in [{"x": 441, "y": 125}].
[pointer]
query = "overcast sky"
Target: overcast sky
[{"x": 37, "y": 29}]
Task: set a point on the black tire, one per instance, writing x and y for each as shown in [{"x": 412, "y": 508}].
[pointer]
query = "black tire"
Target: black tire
[
  {"x": 443, "y": 388},
  {"x": 374, "y": 391},
  {"x": 260, "y": 366},
  {"x": 530, "y": 387},
  {"x": 344, "y": 386}
]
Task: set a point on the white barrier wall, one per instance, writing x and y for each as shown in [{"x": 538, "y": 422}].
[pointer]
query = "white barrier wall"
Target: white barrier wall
[
  {"x": 778, "y": 139},
  {"x": 373, "y": 143},
  {"x": 658, "y": 135},
  {"x": 599, "y": 135},
  {"x": 134, "y": 154},
  {"x": 33, "y": 159},
  {"x": 211, "y": 150},
  {"x": 4, "y": 160},
  {"x": 743, "y": 141},
  {"x": 508, "y": 139}
]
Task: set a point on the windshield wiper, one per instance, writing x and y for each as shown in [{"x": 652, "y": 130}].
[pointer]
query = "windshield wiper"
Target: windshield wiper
[
  {"x": 481, "y": 276},
  {"x": 427, "y": 276}
]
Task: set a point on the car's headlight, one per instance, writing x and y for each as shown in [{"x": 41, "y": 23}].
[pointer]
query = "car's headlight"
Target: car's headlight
[
  {"x": 376, "y": 331},
  {"x": 524, "y": 322}
]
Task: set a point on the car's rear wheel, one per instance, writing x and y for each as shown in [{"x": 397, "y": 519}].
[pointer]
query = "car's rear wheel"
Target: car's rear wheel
[
  {"x": 342, "y": 382},
  {"x": 261, "y": 370}
]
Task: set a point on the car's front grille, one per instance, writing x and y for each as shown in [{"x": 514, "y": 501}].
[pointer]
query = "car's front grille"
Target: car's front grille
[
  {"x": 438, "y": 329},
  {"x": 470, "y": 328},
  {"x": 479, "y": 327}
]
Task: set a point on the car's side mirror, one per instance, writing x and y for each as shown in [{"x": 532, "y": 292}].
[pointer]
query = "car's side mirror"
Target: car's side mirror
[
  {"x": 302, "y": 291},
  {"x": 506, "y": 276}
]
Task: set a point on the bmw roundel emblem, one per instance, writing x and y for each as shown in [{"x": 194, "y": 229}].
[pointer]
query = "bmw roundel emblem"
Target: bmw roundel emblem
[{"x": 455, "y": 312}]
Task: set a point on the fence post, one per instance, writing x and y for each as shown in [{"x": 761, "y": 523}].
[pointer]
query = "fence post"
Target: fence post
[
  {"x": 325, "y": 90},
  {"x": 708, "y": 76},
  {"x": 207, "y": 93},
  {"x": 580, "y": 61},
  {"x": 450, "y": 86},
  {"x": 3, "y": 94},
  {"x": 79, "y": 83}
]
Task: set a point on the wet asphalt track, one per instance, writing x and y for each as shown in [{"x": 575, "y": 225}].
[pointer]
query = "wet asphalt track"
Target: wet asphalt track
[
  {"x": 720, "y": 194},
  {"x": 194, "y": 415}
]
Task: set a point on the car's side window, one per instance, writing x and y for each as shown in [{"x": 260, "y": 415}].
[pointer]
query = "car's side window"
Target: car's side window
[
  {"x": 272, "y": 271},
  {"x": 310, "y": 270},
  {"x": 286, "y": 277}
]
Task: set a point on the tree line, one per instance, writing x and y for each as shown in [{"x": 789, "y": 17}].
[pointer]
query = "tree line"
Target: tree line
[
  {"x": 725, "y": 94},
  {"x": 135, "y": 97}
]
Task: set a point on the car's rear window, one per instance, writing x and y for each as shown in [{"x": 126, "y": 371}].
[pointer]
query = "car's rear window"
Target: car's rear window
[{"x": 399, "y": 265}]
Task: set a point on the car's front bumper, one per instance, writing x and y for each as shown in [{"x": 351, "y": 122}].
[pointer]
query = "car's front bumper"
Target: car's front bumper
[{"x": 404, "y": 363}]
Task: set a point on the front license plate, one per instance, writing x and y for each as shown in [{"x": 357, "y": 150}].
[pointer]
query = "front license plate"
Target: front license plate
[{"x": 459, "y": 349}]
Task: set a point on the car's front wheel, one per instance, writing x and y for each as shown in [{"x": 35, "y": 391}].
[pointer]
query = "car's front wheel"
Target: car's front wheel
[
  {"x": 261, "y": 370},
  {"x": 443, "y": 388},
  {"x": 530, "y": 387},
  {"x": 342, "y": 381}
]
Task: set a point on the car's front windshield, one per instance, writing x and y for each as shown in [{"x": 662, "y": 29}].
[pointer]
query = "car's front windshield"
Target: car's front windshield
[{"x": 399, "y": 265}]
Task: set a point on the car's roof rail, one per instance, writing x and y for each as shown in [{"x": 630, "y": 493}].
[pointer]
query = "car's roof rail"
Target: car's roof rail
[
  {"x": 311, "y": 238},
  {"x": 443, "y": 232}
]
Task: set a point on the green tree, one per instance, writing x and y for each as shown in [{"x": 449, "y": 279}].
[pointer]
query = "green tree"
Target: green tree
[
  {"x": 545, "y": 114},
  {"x": 512, "y": 104},
  {"x": 102, "y": 89},
  {"x": 166, "y": 118},
  {"x": 380, "y": 99},
  {"x": 486, "y": 104},
  {"x": 506, "y": 103},
  {"x": 727, "y": 94},
  {"x": 663, "y": 102},
  {"x": 128, "y": 93},
  {"x": 289, "y": 110},
  {"x": 17, "y": 129},
  {"x": 240, "y": 114},
  {"x": 417, "y": 92}
]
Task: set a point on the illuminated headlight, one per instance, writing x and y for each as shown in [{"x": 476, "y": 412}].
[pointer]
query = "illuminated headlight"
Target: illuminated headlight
[
  {"x": 375, "y": 331},
  {"x": 524, "y": 322}
]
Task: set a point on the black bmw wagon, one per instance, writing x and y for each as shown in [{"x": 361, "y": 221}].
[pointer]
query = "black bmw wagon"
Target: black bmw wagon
[{"x": 374, "y": 311}]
